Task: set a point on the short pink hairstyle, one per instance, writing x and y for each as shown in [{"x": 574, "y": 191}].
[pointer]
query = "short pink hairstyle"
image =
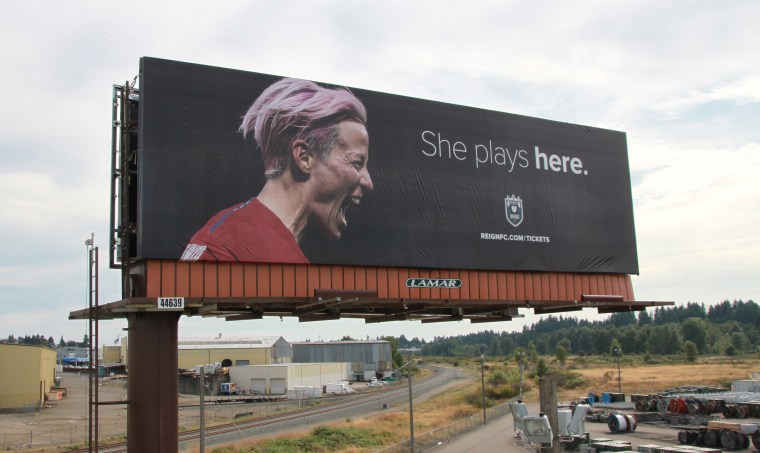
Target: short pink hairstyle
[{"x": 294, "y": 109}]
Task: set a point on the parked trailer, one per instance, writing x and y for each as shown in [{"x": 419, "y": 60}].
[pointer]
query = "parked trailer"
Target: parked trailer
[{"x": 338, "y": 388}]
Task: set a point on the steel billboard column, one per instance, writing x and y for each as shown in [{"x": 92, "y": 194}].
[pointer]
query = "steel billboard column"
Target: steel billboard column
[{"x": 152, "y": 385}]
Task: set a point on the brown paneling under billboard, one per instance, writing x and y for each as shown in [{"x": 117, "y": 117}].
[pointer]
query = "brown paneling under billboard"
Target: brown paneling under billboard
[{"x": 245, "y": 280}]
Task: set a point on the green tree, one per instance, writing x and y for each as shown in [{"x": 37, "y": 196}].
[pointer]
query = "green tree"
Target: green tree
[
  {"x": 739, "y": 341},
  {"x": 494, "y": 349},
  {"x": 695, "y": 330},
  {"x": 615, "y": 344},
  {"x": 541, "y": 368},
  {"x": 565, "y": 343},
  {"x": 691, "y": 351},
  {"x": 628, "y": 338},
  {"x": 622, "y": 319},
  {"x": 561, "y": 355},
  {"x": 664, "y": 339},
  {"x": 531, "y": 353},
  {"x": 520, "y": 354},
  {"x": 644, "y": 319},
  {"x": 497, "y": 377},
  {"x": 396, "y": 357}
]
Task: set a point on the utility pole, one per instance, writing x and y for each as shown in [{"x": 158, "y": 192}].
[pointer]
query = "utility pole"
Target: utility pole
[
  {"x": 202, "y": 447},
  {"x": 618, "y": 352},
  {"x": 483, "y": 385},
  {"x": 411, "y": 404},
  {"x": 520, "y": 356},
  {"x": 93, "y": 339}
]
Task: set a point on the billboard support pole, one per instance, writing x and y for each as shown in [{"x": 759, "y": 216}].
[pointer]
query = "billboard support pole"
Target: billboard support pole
[{"x": 153, "y": 387}]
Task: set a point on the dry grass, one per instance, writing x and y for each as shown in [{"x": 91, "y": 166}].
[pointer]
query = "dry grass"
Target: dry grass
[
  {"x": 643, "y": 378},
  {"x": 437, "y": 411}
]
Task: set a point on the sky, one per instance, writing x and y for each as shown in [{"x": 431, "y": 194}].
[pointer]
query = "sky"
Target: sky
[{"x": 680, "y": 78}]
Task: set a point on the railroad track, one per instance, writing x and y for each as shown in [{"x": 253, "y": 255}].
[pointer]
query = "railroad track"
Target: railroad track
[{"x": 367, "y": 402}]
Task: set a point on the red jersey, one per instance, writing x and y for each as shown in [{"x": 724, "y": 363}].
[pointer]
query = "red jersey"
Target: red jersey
[{"x": 248, "y": 232}]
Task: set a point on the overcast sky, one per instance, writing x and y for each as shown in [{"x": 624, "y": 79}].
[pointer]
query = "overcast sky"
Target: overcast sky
[{"x": 681, "y": 78}]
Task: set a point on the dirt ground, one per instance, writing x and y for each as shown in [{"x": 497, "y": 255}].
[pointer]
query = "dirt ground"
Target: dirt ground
[{"x": 64, "y": 422}]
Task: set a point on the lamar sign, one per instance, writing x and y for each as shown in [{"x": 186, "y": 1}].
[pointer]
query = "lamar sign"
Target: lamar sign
[{"x": 433, "y": 283}]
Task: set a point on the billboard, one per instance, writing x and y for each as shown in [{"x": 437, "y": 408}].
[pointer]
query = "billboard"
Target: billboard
[{"x": 369, "y": 178}]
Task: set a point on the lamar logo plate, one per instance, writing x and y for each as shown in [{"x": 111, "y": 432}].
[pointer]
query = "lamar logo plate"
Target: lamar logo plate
[{"x": 433, "y": 283}]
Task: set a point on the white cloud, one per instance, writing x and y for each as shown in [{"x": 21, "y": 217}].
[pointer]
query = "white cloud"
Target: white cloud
[{"x": 742, "y": 91}]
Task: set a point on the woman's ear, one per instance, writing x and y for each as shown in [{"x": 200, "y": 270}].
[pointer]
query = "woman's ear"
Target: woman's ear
[{"x": 302, "y": 156}]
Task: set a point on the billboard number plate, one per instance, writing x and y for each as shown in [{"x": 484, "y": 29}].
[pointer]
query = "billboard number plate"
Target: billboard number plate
[{"x": 171, "y": 303}]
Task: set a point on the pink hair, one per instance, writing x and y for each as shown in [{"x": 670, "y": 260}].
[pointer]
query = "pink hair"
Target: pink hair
[{"x": 294, "y": 109}]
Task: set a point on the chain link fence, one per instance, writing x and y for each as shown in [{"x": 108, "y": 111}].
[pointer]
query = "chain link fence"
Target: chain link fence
[
  {"x": 114, "y": 430},
  {"x": 446, "y": 433},
  {"x": 42, "y": 438}
]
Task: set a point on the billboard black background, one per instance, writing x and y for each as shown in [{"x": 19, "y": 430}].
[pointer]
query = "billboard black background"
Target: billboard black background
[{"x": 424, "y": 211}]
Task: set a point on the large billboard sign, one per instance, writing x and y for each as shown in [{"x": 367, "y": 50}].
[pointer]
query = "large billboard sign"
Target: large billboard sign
[{"x": 240, "y": 166}]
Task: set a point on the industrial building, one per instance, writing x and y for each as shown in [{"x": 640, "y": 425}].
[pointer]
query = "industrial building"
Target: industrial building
[
  {"x": 227, "y": 351},
  {"x": 23, "y": 386},
  {"x": 367, "y": 359},
  {"x": 278, "y": 379},
  {"x": 71, "y": 352},
  {"x": 111, "y": 354},
  {"x": 233, "y": 351}
]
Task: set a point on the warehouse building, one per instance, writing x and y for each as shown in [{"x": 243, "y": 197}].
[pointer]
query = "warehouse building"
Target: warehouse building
[
  {"x": 111, "y": 354},
  {"x": 24, "y": 385},
  {"x": 233, "y": 351},
  {"x": 71, "y": 352},
  {"x": 367, "y": 359},
  {"x": 279, "y": 379},
  {"x": 229, "y": 351}
]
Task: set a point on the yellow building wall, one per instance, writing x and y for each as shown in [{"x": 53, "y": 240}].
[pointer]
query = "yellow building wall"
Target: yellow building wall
[
  {"x": 124, "y": 346},
  {"x": 111, "y": 354},
  {"x": 189, "y": 358},
  {"x": 27, "y": 375}
]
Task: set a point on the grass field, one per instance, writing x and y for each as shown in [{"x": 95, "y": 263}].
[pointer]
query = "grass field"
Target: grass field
[{"x": 640, "y": 377}]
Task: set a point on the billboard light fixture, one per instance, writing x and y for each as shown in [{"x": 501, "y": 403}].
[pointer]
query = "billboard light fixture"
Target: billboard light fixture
[
  {"x": 602, "y": 298},
  {"x": 344, "y": 293}
]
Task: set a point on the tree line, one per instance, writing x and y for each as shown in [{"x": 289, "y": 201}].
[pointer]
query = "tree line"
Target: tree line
[
  {"x": 727, "y": 328},
  {"x": 41, "y": 340}
]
